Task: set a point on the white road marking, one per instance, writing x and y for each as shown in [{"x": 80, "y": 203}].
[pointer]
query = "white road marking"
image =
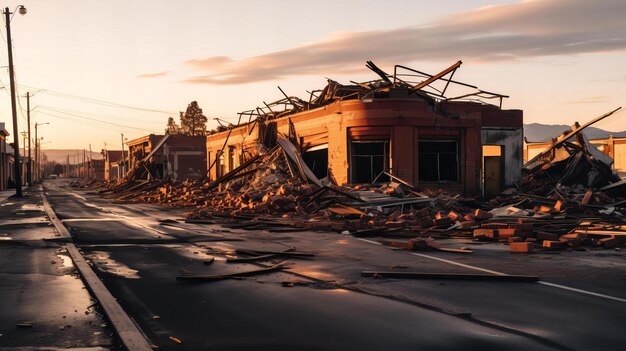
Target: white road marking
[
  {"x": 369, "y": 241},
  {"x": 458, "y": 264},
  {"x": 558, "y": 286},
  {"x": 582, "y": 291}
]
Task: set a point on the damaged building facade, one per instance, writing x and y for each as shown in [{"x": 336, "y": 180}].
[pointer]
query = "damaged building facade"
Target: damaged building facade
[
  {"x": 615, "y": 148},
  {"x": 177, "y": 157},
  {"x": 404, "y": 125}
]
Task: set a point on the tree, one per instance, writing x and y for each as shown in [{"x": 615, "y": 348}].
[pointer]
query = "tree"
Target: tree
[
  {"x": 193, "y": 121},
  {"x": 172, "y": 128}
]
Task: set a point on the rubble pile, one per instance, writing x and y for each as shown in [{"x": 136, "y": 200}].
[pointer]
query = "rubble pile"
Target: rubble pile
[{"x": 568, "y": 198}]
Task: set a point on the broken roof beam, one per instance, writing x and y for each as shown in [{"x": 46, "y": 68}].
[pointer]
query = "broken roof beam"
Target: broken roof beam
[
  {"x": 383, "y": 75},
  {"x": 566, "y": 135},
  {"x": 480, "y": 95},
  {"x": 438, "y": 76},
  {"x": 395, "y": 74},
  {"x": 156, "y": 148}
]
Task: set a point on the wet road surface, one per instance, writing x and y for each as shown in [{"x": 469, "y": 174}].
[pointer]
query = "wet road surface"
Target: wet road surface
[
  {"x": 43, "y": 302},
  {"x": 326, "y": 303}
]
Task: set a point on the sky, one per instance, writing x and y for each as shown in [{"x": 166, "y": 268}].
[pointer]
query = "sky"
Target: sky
[{"x": 97, "y": 69}]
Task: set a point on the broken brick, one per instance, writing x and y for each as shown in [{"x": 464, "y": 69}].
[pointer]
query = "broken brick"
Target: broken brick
[
  {"x": 521, "y": 247},
  {"x": 549, "y": 244}
]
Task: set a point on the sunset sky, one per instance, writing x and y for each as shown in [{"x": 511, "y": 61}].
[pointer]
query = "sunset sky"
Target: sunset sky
[{"x": 559, "y": 60}]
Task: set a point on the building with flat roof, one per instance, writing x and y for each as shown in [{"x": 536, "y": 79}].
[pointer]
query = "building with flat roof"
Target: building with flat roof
[{"x": 412, "y": 130}]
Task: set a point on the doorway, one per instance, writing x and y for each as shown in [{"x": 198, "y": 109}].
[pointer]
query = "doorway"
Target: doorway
[{"x": 493, "y": 170}]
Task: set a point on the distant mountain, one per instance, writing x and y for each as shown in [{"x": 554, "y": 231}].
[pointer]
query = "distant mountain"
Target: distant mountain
[
  {"x": 545, "y": 132},
  {"x": 60, "y": 155}
]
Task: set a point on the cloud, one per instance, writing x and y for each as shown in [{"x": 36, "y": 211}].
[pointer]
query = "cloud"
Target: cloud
[
  {"x": 590, "y": 100},
  {"x": 530, "y": 28},
  {"x": 153, "y": 75}
]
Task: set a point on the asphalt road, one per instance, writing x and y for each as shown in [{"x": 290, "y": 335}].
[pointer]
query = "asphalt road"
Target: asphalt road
[
  {"x": 43, "y": 302},
  {"x": 579, "y": 304}
]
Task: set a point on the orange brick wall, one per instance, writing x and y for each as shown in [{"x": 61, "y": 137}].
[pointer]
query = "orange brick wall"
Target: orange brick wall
[{"x": 407, "y": 120}]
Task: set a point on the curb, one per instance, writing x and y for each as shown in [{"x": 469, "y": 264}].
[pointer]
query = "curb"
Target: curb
[{"x": 128, "y": 332}]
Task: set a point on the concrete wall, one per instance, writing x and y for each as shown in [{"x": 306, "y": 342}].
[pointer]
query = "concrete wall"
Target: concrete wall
[{"x": 512, "y": 140}]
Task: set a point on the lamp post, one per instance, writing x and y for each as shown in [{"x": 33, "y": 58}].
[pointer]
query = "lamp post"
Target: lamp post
[
  {"x": 18, "y": 175},
  {"x": 38, "y": 166}
]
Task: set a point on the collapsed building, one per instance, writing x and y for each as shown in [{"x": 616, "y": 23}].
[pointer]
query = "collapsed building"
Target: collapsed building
[
  {"x": 406, "y": 124},
  {"x": 392, "y": 158},
  {"x": 613, "y": 147}
]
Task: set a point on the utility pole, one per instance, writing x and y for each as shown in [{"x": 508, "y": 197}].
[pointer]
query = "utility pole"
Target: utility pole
[
  {"x": 36, "y": 161},
  {"x": 29, "y": 175},
  {"x": 90, "y": 161},
  {"x": 84, "y": 164},
  {"x": 16, "y": 138},
  {"x": 123, "y": 157},
  {"x": 37, "y": 152}
]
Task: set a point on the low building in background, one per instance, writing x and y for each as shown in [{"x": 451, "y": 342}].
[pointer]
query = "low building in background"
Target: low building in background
[
  {"x": 179, "y": 157},
  {"x": 112, "y": 163}
]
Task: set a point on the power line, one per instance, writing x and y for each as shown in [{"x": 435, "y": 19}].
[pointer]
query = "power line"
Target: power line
[
  {"x": 87, "y": 123},
  {"x": 92, "y": 115},
  {"x": 96, "y": 101},
  {"x": 94, "y": 119}
]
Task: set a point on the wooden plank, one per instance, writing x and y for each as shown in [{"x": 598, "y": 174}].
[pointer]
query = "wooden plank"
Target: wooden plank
[
  {"x": 600, "y": 232},
  {"x": 251, "y": 259},
  {"x": 156, "y": 148},
  {"x": 292, "y": 153},
  {"x": 280, "y": 253},
  {"x": 208, "y": 278},
  {"x": 450, "y": 276},
  {"x": 437, "y": 76}
]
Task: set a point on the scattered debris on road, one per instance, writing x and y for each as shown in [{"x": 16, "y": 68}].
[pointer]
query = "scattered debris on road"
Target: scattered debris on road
[{"x": 569, "y": 198}]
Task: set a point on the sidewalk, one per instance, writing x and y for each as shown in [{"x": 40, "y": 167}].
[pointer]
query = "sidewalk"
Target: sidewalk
[
  {"x": 44, "y": 302},
  {"x": 5, "y": 194}
]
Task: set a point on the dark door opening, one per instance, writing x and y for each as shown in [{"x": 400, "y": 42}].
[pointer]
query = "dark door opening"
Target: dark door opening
[
  {"x": 493, "y": 170},
  {"x": 368, "y": 160},
  {"x": 317, "y": 160}
]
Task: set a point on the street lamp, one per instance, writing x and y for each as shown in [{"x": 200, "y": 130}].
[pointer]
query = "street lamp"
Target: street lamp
[
  {"x": 18, "y": 175},
  {"x": 37, "y": 151}
]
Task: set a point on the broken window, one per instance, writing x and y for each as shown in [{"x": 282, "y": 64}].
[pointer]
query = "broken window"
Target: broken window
[
  {"x": 317, "y": 159},
  {"x": 368, "y": 160},
  {"x": 231, "y": 158},
  {"x": 220, "y": 167},
  {"x": 438, "y": 160}
]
